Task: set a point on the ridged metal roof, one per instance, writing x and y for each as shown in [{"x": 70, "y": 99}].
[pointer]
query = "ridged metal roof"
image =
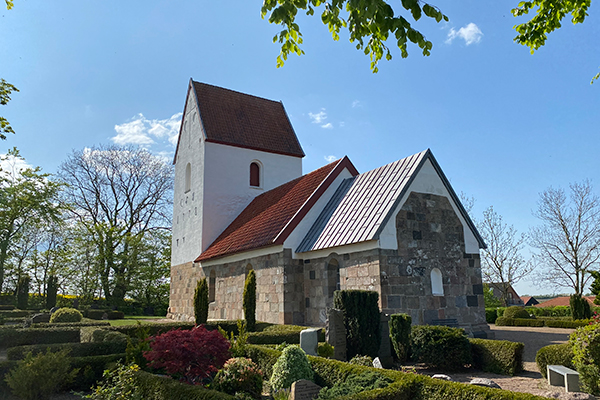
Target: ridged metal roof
[{"x": 361, "y": 206}]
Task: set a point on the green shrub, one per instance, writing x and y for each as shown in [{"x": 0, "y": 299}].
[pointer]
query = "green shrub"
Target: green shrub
[
  {"x": 557, "y": 323},
  {"x": 118, "y": 384},
  {"x": 51, "y": 291},
  {"x": 503, "y": 321},
  {"x": 237, "y": 342},
  {"x": 497, "y": 356},
  {"x": 25, "y": 336},
  {"x": 114, "y": 314},
  {"x": 91, "y": 369},
  {"x": 516, "y": 312},
  {"x": 365, "y": 381},
  {"x": 95, "y": 314},
  {"x": 81, "y": 324},
  {"x": 250, "y": 300},
  {"x": 289, "y": 367},
  {"x": 239, "y": 375},
  {"x": 326, "y": 350},
  {"x": 66, "y": 315},
  {"x": 365, "y": 361},
  {"x": 580, "y": 308},
  {"x": 153, "y": 387},
  {"x": 361, "y": 319},
  {"x": 585, "y": 342},
  {"x": 23, "y": 291},
  {"x": 14, "y": 313},
  {"x": 400, "y": 325},
  {"x": 555, "y": 354},
  {"x": 278, "y": 334},
  {"x": 38, "y": 377},
  {"x": 491, "y": 314},
  {"x": 75, "y": 349},
  {"x": 201, "y": 302},
  {"x": 500, "y": 311},
  {"x": 440, "y": 346}
]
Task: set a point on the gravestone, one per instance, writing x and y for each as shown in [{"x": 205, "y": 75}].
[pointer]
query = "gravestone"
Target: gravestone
[
  {"x": 385, "y": 349},
  {"x": 37, "y": 318},
  {"x": 304, "y": 390},
  {"x": 309, "y": 339},
  {"x": 377, "y": 363},
  {"x": 336, "y": 333}
]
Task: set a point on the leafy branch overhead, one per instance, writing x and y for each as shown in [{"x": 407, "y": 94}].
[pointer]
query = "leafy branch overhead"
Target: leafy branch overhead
[
  {"x": 5, "y": 90},
  {"x": 370, "y": 24}
]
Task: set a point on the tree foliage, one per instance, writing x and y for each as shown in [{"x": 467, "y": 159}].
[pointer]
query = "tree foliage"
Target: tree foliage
[
  {"x": 568, "y": 240},
  {"x": 249, "y": 300},
  {"x": 5, "y": 90},
  {"x": 201, "y": 302}
]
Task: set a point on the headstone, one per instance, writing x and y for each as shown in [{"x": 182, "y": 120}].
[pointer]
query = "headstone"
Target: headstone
[
  {"x": 377, "y": 363},
  {"x": 37, "y": 318},
  {"x": 484, "y": 382},
  {"x": 442, "y": 376},
  {"x": 385, "y": 349},
  {"x": 304, "y": 390},
  {"x": 336, "y": 333},
  {"x": 53, "y": 309},
  {"x": 309, "y": 339},
  {"x": 76, "y": 303}
]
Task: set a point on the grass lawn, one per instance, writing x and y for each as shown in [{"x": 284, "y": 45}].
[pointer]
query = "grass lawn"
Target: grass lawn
[{"x": 132, "y": 320}]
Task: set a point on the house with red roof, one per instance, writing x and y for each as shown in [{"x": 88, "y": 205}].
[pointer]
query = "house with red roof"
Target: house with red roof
[{"x": 242, "y": 203}]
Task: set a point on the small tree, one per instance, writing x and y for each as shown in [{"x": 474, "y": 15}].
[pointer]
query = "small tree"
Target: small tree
[
  {"x": 201, "y": 302},
  {"x": 362, "y": 320},
  {"x": 595, "y": 286},
  {"x": 250, "y": 300},
  {"x": 23, "y": 292},
  {"x": 580, "y": 308},
  {"x": 51, "y": 291}
]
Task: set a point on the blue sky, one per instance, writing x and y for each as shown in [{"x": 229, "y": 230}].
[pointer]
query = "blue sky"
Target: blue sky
[{"x": 503, "y": 124}]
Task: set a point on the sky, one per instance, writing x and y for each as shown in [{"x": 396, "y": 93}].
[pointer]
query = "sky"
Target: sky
[{"x": 504, "y": 124}]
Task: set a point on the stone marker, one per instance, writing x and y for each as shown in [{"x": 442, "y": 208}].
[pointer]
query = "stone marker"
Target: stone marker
[
  {"x": 484, "y": 382},
  {"x": 377, "y": 363},
  {"x": 53, "y": 309},
  {"x": 309, "y": 339},
  {"x": 385, "y": 349},
  {"x": 336, "y": 333},
  {"x": 304, "y": 390},
  {"x": 442, "y": 376},
  {"x": 43, "y": 317}
]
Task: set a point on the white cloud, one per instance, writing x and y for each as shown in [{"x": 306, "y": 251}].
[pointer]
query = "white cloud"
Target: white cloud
[
  {"x": 330, "y": 159},
  {"x": 356, "y": 103},
  {"x": 142, "y": 131},
  {"x": 12, "y": 166},
  {"x": 470, "y": 34},
  {"x": 319, "y": 117},
  {"x": 327, "y": 126}
]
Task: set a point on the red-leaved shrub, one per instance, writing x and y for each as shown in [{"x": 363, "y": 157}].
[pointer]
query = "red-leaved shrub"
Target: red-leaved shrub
[{"x": 189, "y": 355}]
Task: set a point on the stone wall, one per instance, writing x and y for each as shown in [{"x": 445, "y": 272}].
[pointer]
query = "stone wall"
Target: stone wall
[{"x": 183, "y": 284}]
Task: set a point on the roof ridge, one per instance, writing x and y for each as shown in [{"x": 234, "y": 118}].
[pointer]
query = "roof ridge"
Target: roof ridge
[{"x": 234, "y": 91}]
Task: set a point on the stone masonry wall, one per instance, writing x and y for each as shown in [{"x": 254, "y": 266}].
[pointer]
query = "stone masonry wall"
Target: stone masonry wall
[{"x": 183, "y": 284}]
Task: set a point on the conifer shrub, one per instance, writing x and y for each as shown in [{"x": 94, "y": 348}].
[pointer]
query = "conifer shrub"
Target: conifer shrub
[
  {"x": 324, "y": 349},
  {"x": 400, "y": 325},
  {"x": 250, "y": 301},
  {"x": 23, "y": 292},
  {"x": 516, "y": 312},
  {"x": 189, "y": 355},
  {"x": 239, "y": 375},
  {"x": 491, "y": 314},
  {"x": 585, "y": 343},
  {"x": 201, "y": 302},
  {"x": 291, "y": 366},
  {"x": 440, "y": 346},
  {"x": 365, "y": 361},
  {"x": 361, "y": 319},
  {"x": 580, "y": 308},
  {"x": 554, "y": 354},
  {"x": 363, "y": 382},
  {"x": 51, "y": 291},
  {"x": 38, "y": 377},
  {"x": 66, "y": 314}
]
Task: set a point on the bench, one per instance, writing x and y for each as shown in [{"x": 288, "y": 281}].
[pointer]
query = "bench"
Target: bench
[
  {"x": 451, "y": 322},
  {"x": 559, "y": 375}
]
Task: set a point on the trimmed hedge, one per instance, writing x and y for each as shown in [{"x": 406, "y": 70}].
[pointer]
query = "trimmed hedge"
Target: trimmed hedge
[
  {"x": 491, "y": 314},
  {"x": 153, "y": 387},
  {"x": 503, "y": 321},
  {"x": 77, "y": 349},
  {"x": 94, "y": 313},
  {"x": 14, "y": 313},
  {"x": 116, "y": 315},
  {"x": 400, "y": 326},
  {"x": 6, "y": 307},
  {"x": 555, "y": 354},
  {"x": 557, "y": 323},
  {"x": 497, "y": 356},
  {"x": 362, "y": 320},
  {"x": 26, "y": 336},
  {"x": 278, "y": 334},
  {"x": 92, "y": 368},
  {"x": 70, "y": 324},
  {"x": 440, "y": 346}
]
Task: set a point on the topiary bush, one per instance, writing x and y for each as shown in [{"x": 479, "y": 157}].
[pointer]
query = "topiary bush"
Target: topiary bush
[
  {"x": 361, "y": 319},
  {"x": 516, "y": 312},
  {"x": 201, "y": 302},
  {"x": 585, "y": 343},
  {"x": 291, "y": 366},
  {"x": 239, "y": 375},
  {"x": 66, "y": 315},
  {"x": 190, "y": 355},
  {"x": 580, "y": 308},
  {"x": 250, "y": 301},
  {"x": 36, "y": 378},
  {"x": 365, "y": 381},
  {"x": 400, "y": 335},
  {"x": 440, "y": 346},
  {"x": 555, "y": 354},
  {"x": 497, "y": 356}
]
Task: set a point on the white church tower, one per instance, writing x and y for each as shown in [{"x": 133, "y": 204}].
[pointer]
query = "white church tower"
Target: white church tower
[{"x": 232, "y": 147}]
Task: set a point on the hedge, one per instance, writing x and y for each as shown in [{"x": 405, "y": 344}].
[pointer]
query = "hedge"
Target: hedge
[
  {"x": 92, "y": 368},
  {"x": 503, "y": 321},
  {"x": 497, "y": 356},
  {"x": 14, "y": 313},
  {"x": 77, "y": 349},
  {"x": 278, "y": 334},
  {"x": 70, "y": 324},
  {"x": 555, "y": 354},
  {"x": 491, "y": 314},
  {"x": 567, "y": 324},
  {"x": 6, "y": 307},
  {"x": 153, "y": 387},
  {"x": 25, "y": 336}
]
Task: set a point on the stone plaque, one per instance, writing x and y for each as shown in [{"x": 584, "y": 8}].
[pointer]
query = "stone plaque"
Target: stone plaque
[
  {"x": 336, "y": 333},
  {"x": 309, "y": 339},
  {"x": 304, "y": 390}
]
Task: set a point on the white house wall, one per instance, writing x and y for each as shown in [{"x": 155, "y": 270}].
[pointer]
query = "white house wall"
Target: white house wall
[{"x": 426, "y": 181}]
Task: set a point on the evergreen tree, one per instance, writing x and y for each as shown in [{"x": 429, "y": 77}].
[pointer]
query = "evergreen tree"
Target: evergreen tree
[
  {"x": 250, "y": 300},
  {"x": 201, "y": 302}
]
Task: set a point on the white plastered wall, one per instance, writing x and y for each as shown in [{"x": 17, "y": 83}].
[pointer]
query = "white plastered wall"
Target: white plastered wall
[{"x": 426, "y": 181}]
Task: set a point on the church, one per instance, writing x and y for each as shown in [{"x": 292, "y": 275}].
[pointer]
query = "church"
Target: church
[{"x": 241, "y": 203}]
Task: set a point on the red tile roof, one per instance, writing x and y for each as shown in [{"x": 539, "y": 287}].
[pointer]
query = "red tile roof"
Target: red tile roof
[
  {"x": 527, "y": 299},
  {"x": 562, "y": 301},
  {"x": 243, "y": 120},
  {"x": 271, "y": 217}
]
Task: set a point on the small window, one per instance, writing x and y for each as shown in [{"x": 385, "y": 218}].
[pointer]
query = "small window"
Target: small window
[
  {"x": 437, "y": 286},
  {"x": 254, "y": 175},
  {"x": 188, "y": 177},
  {"x": 211, "y": 286}
]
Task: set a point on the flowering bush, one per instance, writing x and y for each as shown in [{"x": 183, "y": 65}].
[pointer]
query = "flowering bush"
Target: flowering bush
[
  {"x": 240, "y": 375},
  {"x": 189, "y": 355},
  {"x": 586, "y": 351},
  {"x": 595, "y": 320}
]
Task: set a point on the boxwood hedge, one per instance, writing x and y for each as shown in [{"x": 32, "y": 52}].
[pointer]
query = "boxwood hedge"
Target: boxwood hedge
[
  {"x": 25, "y": 336},
  {"x": 555, "y": 354},
  {"x": 153, "y": 387},
  {"x": 503, "y": 321},
  {"x": 497, "y": 356},
  {"x": 77, "y": 349}
]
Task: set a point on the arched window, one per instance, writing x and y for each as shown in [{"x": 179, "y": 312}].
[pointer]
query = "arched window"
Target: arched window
[
  {"x": 212, "y": 282},
  {"x": 437, "y": 286},
  {"x": 254, "y": 174},
  {"x": 188, "y": 177}
]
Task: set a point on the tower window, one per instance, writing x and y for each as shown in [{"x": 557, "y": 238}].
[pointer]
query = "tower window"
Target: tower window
[
  {"x": 254, "y": 174},
  {"x": 437, "y": 286},
  {"x": 188, "y": 177}
]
